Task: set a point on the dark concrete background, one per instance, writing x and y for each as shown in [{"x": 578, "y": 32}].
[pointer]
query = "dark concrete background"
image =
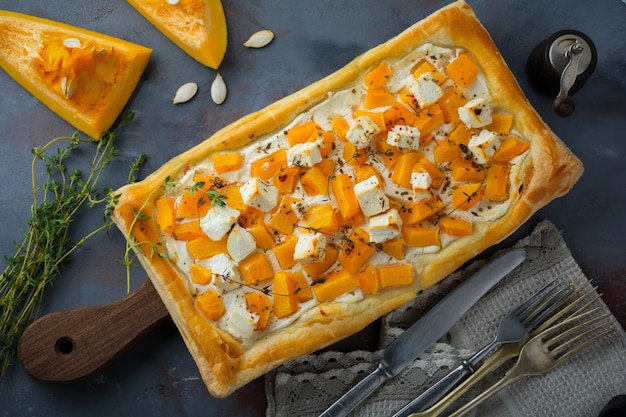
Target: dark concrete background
[{"x": 158, "y": 376}]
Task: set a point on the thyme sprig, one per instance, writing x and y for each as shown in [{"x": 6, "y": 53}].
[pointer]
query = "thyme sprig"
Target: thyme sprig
[{"x": 47, "y": 242}]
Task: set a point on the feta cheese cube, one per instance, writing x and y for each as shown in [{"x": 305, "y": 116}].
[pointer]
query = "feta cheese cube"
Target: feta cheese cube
[
  {"x": 426, "y": 90},
  {"x": 304, "y": 154},
  {"x": 404, "y": 136},
  {"x": 484, "y": 145},
  {"x": 240, "y": 243},
  {"x": 371, "y": 197},
  {"x": 240, "y": 321},
  {"x": 385, "y": 226},
  {"x": 475, "y": 113},
  {"x": 435, "y": 54},
  {"x": 361, "y": 131},
  {"x": 258, "y": 194},
  {"x": 225, "y": 272},
  {"x": 218, "y": 221},
  {"x": 421, "y": 180},
  {"x": 311, "y": 247}
]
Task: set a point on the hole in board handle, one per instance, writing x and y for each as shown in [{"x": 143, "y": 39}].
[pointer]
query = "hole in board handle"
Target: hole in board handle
[{"x": 64, "y": 346}]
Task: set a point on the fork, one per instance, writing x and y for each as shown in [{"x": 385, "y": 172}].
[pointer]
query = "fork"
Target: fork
[
  {"x": 545, "y": 351},
  {"x": 574, "y": 304},
  {"x": 514, "y": 327}
]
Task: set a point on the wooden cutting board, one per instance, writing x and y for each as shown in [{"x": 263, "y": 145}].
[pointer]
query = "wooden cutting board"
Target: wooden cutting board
[{"x": 72, "y": 345}]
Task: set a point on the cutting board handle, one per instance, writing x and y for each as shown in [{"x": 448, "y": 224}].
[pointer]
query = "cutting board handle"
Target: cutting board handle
[{"x": 72, "y": 345}]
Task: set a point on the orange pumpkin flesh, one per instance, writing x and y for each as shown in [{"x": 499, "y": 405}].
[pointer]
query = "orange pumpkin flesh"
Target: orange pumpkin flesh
[
  {"x": 198, "y": 27},
  {"x": 84, "y": 77}
]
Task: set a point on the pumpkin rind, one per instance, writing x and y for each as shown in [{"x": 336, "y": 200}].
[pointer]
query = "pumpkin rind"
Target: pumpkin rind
[{"x": 86, "y": 85}]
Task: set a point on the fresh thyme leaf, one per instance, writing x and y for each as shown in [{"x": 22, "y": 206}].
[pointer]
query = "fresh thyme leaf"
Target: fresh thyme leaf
[
  {"x": 134, "y": 167},
  {"x": 47, "y": 245},
  {"x": 216, "y": 198}
]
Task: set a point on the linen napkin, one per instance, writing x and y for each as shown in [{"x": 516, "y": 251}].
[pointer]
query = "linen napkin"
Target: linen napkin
[{"x": 579, "y": 387}]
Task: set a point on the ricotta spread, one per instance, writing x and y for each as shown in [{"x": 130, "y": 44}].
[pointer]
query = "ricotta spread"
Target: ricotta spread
[{"x": 294, "y": 200}]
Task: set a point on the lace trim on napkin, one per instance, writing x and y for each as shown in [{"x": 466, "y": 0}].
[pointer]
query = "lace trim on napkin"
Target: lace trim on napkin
[{"x": 306, "y": 386}]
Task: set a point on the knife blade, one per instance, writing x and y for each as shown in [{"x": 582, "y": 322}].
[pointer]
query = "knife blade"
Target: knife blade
[{"x": 427, "y": 330}]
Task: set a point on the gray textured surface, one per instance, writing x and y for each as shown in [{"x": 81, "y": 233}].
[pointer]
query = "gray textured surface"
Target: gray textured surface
[{"x": 313, "y": 38}]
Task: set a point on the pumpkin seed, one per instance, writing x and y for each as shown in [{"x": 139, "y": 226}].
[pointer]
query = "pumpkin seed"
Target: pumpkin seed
[
  {"x": 259, "y": 39},
  {"x": 185, "y": 93},
  {"x": 218, "y": 89},
  {"x": 71, "y": 42},
  {"x": 173, "y": 2}
]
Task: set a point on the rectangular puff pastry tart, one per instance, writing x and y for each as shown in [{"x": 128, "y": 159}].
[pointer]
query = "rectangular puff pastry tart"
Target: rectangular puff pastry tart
[{"x": 302, "y": 223}]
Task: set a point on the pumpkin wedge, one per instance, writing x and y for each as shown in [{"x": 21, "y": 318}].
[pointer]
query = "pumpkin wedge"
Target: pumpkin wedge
[
  {"x": 84, "y": 77},
  {"x": 198, "y": 27}
]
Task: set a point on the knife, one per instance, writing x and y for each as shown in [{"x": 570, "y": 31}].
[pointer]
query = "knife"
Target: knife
[{"x": 427, "y": 330}]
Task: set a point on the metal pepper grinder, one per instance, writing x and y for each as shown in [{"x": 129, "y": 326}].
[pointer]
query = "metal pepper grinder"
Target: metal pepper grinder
[{"x": 560, "y": 65}]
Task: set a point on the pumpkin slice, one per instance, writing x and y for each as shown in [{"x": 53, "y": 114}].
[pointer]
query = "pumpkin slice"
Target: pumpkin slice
[
  {"x": 198, "y": 27},
  {"x": 84, "y": 77}
]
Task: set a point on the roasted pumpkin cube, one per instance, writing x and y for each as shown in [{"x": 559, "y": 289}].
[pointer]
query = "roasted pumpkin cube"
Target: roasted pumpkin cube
[
  {"x": 462, "y": 70},
  {"x": 399, "y": 114},
  {"x": 455, "y": 226},
  {"x": 165, "y": 217},
  {"x": 284, "y": 252},
  {"x": 314, "y": 181},
  {"x": 322, "y": 217},
  {"x": 343, "y": 190},
  {"x": 421, "y": 237},
  {"x": 462, "y": 134},
  {"x": 379, "y": 76},
  {"x": 226, "y": 162},
  {"x": 466, "y": 170},
  {"x": 426, "y": 67},
  {"x": 200, "y": 275},
  {"x": 205, "y": 247},
  {"x": 449, "y": 103},
  {"x": 286, "y": 180},
  {"x": 355, "y": 251},
  {"x": 420, "y": 210},
  {"x": 302, "y": 132},
  {"x": 404, "y": 167},
  {"x": 447, "y": 150},
  {"x": 335, "y": 284},
  {"x": 269, "y": 166},
  {"x": 368, "y": 280},
  {"x": 263, "y": 237},
  {"x": 428, "y": 119},
  {"x": 500, "y": 123},
  {"x": 377, "y": 97},
  {"x": 284, "y": 218},
  {"x": 395, "y": 248},
  {"x": 188, "y": 231},
  {"x": 259, "y": 304},
  {"x": 284, "y": 293},
  {"x": 210, "y": 304},
  {"x": 394, "y": 275},
  {"x": 466, "y": 196},
  {"x": 497, "y": 182},
  {"x": 509, "y": 149},
  {"x": 255, "y": 268},
  {"x": 315, "y": 269},
  {"x": 303, "y": 288},
  {"x": 340, "y": 127}
]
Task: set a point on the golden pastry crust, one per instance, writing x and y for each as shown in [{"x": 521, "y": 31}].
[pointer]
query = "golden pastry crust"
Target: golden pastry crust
[{"x": 226, "y": 364}]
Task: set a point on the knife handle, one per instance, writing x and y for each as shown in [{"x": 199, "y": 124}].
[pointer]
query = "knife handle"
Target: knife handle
[
  {"x": 71, "y": 345},
  {"x": 355, "y": 396}
]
